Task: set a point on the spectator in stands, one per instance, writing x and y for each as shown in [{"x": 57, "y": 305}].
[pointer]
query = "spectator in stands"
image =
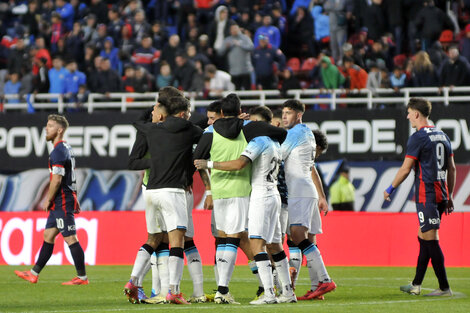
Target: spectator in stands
[
  {"x": 218, "y": 31},
  {"x": 455, "y": 71},
  {"x": 194, "y": 56},
  {"x": 66, "y": 12},
  {"x": 431, "y": 21},
  {"x": 272, "y": 32},
  {"x": 219, "y": 80},
  {"x": 100, "y": 10},
  {"x": 127, "y": 43},
  {"x": 200, "y": 82},
  {"x": 300, "y": 34},
  {"x": 115, "y": 24},
  {"x": 322, "y": 26},
  {"x": 397, "y": 79},
  {"x": 395, "y": 14},
  {"x": 278, "y": 19},
  {"x": 342, "y": 191},
  {"x": 244, "y": 22},
  {"x": 159, "y": 36},
  {"x": 26, "y": 81},
  {"x": 374, "y": 20},
  {"x": 330, "y": 75},
  {"x": 377, "y": 55},
  {"x": 145, "y": 81},
  {"x": 41, "y": 79},
  {"x": 184, "y": 71},
  {"x": 170, "y": 49},
  {"x": 437, "y": 55},
  {"x": 128, "y": 80},
  {"x": 108, "y": 80},
  {"x": 204, "y": 47},
  {"x": 75, "y": 45},
  {"x": 164, "y": 78},
  {"x": 411, "y": 9},
  {"x": 238, "y": 48},
  {"x": 265, "y": 59},
  {"x": 289, "y": 82},
  {"x": 82, "y": 96},
  {"x": 57, "y": 76},
  {"x": 354, "y": 74},
  {"x": 336, "y": 10},
  {"x": 424, "y": 73},
  {"x": 12, "y": 87},
  {"x": 73, "y": 80},
  {"x": 465, "y": 43},
  {"x": 58, "y": 30},
  {"x": 191, "y": 26},
  {"x": 374, "y": 78},
  {"x": 349, "y": 52},
  {"x": 112, "y": 53},
  {"x": 89, "y": 29},
  {"x": 146, "y": 55},
  {"x": 29, "y": 19},
  {"x": 98, "y": 41},
  {"x": 19, "y": 55},
  {"x": 140, "y": 27}
]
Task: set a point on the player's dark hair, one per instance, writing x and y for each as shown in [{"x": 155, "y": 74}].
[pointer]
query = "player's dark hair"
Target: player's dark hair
[
  {"x": 215, "y": 106},
  {"x": 320, "y": 139},
  {"x": 165, "y": 93},
  {"x": 59, "y": 119},
  {"x": 277, "y": 113},
  {"x": 230, "y": 105},
  {"x": 262, "y": 111},
  {"x": 177, "y": 105},
  {"x": 295, "y": 105},
  {"x": 421, "y": 105}
]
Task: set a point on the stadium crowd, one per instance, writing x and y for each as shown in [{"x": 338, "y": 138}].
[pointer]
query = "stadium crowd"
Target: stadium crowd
[{"x": 77, "y": 47}]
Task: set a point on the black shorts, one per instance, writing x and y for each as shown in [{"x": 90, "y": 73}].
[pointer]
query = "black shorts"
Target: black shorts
[
  {"x": 429, "y": 215},
  {"x": 63, "y": 221}
]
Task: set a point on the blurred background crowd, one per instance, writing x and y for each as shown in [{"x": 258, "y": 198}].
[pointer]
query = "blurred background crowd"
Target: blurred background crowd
[{"x": 208, "y": 46}]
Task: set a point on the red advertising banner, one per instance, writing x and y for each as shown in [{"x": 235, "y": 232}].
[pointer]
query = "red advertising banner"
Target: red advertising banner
[{"x": 349, "y": 239}]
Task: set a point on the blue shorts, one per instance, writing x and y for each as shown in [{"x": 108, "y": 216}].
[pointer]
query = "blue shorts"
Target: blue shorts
[
  {"x": 63, "y": 221},
  {"x": 429, "y": 215}
]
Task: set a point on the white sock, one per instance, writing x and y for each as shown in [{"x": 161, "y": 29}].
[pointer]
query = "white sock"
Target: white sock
[
  {"x": 163, "y": 272},
  {"x": 141, "y": 260},
  {"x": 316, "y": 267},
  {"x": 216, "y": 272},
  {"x": 175, "y": 267},
  {"x": 195, "y": 270},
  {"x": 265, "y": 271},
  {"x": 227, "y": 263},
  {"x": 254, "y": 270},
  {"x": 155, "y": 275},
  {"x": 295, "y": 259},
  {"x": 140, "y": 279},
  {"x": 282, "y": 269}
]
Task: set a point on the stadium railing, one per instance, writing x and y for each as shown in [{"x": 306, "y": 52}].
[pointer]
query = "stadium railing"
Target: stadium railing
[{"x": 124, "y": 101}]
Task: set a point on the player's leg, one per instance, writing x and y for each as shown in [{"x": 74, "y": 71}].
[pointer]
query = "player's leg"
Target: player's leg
[
  {"x": 163, "y": 254},
  {"x": 70, "y": 237},
  {"x": 245, "y": 246},
  {"x": 50, "y": 233},
  {"x": 258, "y": 245}
]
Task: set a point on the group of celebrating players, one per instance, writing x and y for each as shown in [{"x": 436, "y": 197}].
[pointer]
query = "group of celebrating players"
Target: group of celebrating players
[{"x": 244, "y": 154}]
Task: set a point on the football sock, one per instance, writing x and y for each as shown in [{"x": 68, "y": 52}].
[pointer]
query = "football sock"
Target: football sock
[
  {"x": 265, "y": 272},
  {"x": 163, "y": 254},
  {"x": 216, "y": 272},
  {"x": 313, "y": 274},
  {"x": 44, "y": 256},
  {"x": 78, "y": 257},
  {"x": 141, "y": 260},
  {"x": 139, "y": 281},
  {"x": 175, "y": 266},
  {"x": 295, "y": 257},
  {"x": 314, "y": 261},
  {"x": 219, "y": 255},
  {"x": 423, "y": 261},
  {"x": 227, "y": 263},
  {"x": 194, "y": 267},
  {"x": 282, "y": 269},
  {"x": 155, "y": 275},
  {"x": 254, "y": 270},
  {"x": 437, "y": 260}
]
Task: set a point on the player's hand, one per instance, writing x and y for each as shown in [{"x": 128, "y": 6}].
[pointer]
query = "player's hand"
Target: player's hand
[
  {"x": 244, "y": 116},
  {"x": 208, "y": 203},
  {"x": 449, "y": 207},
  {"x": 47, "y": 205},
  {"x": 323, "y": 205},
  {"x": 200, "y": 164},
  {"x": 387, "y": 196}
]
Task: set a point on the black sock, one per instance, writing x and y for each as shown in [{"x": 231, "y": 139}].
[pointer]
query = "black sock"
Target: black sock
[
  {"x": 78, "y": 258},
  {"x": 437, "y": 260},
  {"x": 223, "y": 290},
  {"x": 423, "y": 261},
  {"x": 44, "y": 256}
]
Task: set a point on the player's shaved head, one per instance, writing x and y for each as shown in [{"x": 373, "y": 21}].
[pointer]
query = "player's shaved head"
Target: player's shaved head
[
  {"x": 59, "y": 119},
  {"x": 177, "y": 105},
  {"x": 262, "y": 111},
  {"x": 230, "y": 105},
  {"x": 421, "y": 105},
  {"x": 165, "y": 93},
  {"x": 320, "y": 139}
]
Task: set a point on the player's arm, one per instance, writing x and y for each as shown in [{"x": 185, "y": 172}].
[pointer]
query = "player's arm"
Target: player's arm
[
  {"x": 208, "y": 202},
  {"x": 322, "y": 203},
  {"x": 451, "y": 176},
  {"x": 233, "y": 165},
  {"x": 139, "y": 149},
  {"x": 401, "y": 175},
  {"x": 54, "y": 186}
]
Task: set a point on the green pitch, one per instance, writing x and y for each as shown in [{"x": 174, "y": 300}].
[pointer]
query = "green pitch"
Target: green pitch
[{"x": 360, "y": 289}]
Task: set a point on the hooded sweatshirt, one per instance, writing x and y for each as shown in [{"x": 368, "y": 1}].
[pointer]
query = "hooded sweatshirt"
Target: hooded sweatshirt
[{"x": 331, "y": 77}]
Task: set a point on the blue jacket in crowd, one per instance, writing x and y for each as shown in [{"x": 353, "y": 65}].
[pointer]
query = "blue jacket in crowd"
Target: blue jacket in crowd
[{"x": 73, "y": 81}]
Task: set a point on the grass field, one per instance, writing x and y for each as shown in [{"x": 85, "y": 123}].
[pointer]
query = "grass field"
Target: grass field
[{"x": 360, "y": 289}]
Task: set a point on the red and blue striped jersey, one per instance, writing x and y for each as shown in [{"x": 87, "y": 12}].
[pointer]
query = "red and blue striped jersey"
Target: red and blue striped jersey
[
  {"x": 431, "y": 149},
  {"x": 62, "y": 162}
]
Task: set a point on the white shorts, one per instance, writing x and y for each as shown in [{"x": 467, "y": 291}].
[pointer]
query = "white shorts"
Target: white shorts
[
  {"x": 315, "y": 222},
  {"x": 263, "y": 218},
  {"x": 284, "y": 218},
  {"x": 153, "y": 218},
  {"x": 189, "y": 207},
  {"x": 300, "y": 211},
  {"x": 231, "y": 215},
  {"x": 170, "y": 203}
]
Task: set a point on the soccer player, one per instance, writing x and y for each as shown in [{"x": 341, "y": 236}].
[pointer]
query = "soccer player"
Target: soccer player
[
  {"x": 306, "y": 195},
  {"x": 265, "y": 204},
  {"x": 61, "y": 203},
  {"x": 429, "y": 153}
]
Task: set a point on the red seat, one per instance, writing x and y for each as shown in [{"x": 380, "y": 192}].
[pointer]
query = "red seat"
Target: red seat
[
  {"x": 294, "y": 64},
  {"x": 309, "y": 64},
  {"x": 446, "y": 36}
]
